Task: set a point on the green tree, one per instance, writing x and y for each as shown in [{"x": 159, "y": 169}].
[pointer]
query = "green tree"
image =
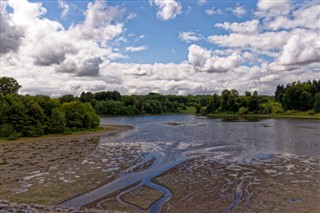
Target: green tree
[
  {"x": 216, "y": 101},
  {"x": 316, "y": 105},
  {"x": 247, "y": 93},
  {"x": 253, "y": 104},
  {"x": 225, "y": 94},
  {"x": 198, "y": 108},
  {"x": 67, "y": 98},
  {"x": 80, "y": 115},
  {"x": 57, "y": 122},
  {"x": 86, "y": 97},
  {"x": 9, "y": 85}
]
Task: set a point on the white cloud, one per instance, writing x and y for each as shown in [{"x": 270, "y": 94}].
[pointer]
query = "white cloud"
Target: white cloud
[
  {"x": 190, "y": 36},
  {"x": 201, "y": 2},
  {"x": 255, "y": 42},
  {"x": 239, "y": 11},
  {"x": 301, "y": 49},
  {"x": 203, "y": 60},
  {"x": 306, "y": 17},
  {"x": 168, "y": 9},
  {"x": 272, "y": 8},
  {"x": 131, "y": 16},
  {"x": 10, "y": 37},
  {"x": 136, "y": 49},
  {"x": 47, "y": 44},
  {"x": 242, "y": 27},
  {"x": 65, "y": 8},
  {"x": 213, "y": 11}
]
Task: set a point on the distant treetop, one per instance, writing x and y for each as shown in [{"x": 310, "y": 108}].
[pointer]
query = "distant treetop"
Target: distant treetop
[{"x": 9, "y": 85}]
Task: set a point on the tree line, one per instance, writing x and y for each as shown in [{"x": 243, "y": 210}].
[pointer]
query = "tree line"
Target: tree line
[
  {"x": 295, "y": 96},
  {"x": 38, "y": 115},
  {"x": 299, "y": 96}
]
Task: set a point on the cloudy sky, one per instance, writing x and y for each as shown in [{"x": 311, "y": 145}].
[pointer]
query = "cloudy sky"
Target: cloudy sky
[{"x": 56, "y": 47}]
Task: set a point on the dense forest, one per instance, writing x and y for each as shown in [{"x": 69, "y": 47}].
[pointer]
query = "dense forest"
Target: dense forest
[{"x": 37, "y": 115}]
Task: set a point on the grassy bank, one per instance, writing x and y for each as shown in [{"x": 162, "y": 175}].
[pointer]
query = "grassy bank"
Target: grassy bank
[
  {"x": 295, "y": 115},
  {"x": 288, "y": 114},
  {"x": 75, "y": 132}
]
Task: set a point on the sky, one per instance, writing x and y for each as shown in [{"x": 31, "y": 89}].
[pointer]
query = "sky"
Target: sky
[{"x": 57, "y": 47}]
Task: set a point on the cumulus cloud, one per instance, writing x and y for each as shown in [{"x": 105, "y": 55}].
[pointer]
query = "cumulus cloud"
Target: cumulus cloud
[
  {"x": 201, "y": 2},
  {"x": 168, "y": 9},
  {"x": 100, "y": 22},
  {"x": 10, "y": 37},
  {"x": 203, "y": 60},
  {"x": 65, "y": 8},
  {"x": 242, "y": 27},
  {"x": 257, "y": 41},
  {"x": 48, "y": 43},
  {"x": 136, "y": 49},
  {"x": 268, "y": 8},
  {"x": 239, "y": 11},
  {"x": 190, "y": 36},
  {"x": 301, "y": 49},
  {"x": 88, "y": 67},
  {"x": 306, "y": 17},
  {"x": 213, "y": 11},
  {"x": 290, "y": 37},
  {"x": 50, "y": 51}
]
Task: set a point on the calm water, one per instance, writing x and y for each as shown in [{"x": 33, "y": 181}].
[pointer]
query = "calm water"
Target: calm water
[{"x": 268, "y": 136}]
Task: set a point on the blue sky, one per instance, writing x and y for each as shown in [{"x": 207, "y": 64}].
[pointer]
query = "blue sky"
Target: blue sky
[
  {"x": 169, "y": 46},
  {"x": 160, "y": 37}
]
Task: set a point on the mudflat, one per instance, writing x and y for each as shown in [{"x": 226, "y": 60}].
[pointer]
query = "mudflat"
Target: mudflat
[{"x": 50, "y": 169}]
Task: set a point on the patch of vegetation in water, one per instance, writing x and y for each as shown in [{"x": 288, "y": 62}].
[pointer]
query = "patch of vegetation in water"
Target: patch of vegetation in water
[
  {"x": 173, "y": 124},
  {"x": 236, "y": 118}
]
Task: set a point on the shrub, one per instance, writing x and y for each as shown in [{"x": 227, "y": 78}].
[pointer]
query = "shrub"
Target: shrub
[
  {"x": 6, "y": 130},
  {"x": 15, "y": 135}
]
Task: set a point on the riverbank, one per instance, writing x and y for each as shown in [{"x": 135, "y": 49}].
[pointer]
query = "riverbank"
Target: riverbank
[
  {"x": 49, "y": 169},
  {"x": 293, "y": 115},
  {"x": 101, "y": 130}
]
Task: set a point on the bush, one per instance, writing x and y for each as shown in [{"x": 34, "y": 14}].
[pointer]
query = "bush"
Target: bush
[
  {"x": 15, "y": 135},
  {"x": 203, "y": 110},
  {"x": 290, "y": 112},
  {"x": 6, "y": 130},
  {"x": 311, "y": 112},
  {"x": 243, "y": 110}
]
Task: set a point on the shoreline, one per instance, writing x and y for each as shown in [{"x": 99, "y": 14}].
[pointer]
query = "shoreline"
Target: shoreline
[
  {"x": 261, "y": 116},
  {"x": 224, "y": 115},
  {"x": 104, "y": 130}
]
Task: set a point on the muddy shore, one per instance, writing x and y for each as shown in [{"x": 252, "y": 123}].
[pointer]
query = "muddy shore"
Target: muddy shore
[{"x": 50, "y": 169}]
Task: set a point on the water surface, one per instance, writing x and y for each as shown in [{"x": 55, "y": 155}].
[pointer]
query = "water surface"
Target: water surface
[{"x": 267, "y": 136}]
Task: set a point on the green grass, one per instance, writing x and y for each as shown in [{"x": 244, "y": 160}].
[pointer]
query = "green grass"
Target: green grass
[
  {"x": 67, "y": 132},
  {"x": 189, "y": 110},
  {"x": 81, "y": 131},
  {"x": 289, "y": 114}
]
